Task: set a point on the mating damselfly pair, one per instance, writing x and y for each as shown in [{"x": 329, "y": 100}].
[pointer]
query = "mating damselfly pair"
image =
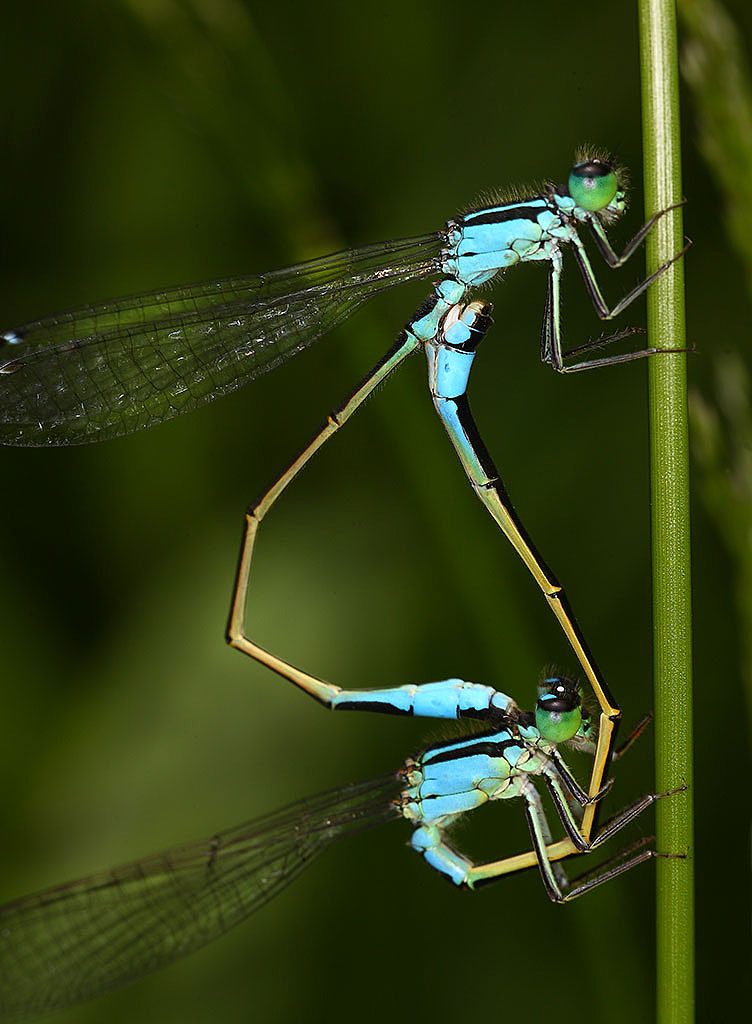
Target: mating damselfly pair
[{"x": 115, "y": 367}]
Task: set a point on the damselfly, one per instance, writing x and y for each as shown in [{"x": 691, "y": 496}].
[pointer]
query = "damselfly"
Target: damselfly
[
  {"x": 79, "y": 940},
  {"x": 119, "y": 366}
]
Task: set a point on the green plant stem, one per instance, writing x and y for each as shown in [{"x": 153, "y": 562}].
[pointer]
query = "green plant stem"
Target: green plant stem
[{"x": 669, "y": 457}]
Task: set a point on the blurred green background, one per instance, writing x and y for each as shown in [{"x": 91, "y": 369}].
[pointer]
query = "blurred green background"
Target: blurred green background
[{"x": 154, "y": 142}]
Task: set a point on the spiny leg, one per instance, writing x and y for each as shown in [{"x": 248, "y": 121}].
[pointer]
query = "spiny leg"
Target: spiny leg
[
  {"x": 571, "y": 889},
  {"x": 631, "y": 855},
  {"x": 593, "y": 288},
  {"x": 551, "y": 345},
  {"x": 570, "y": 819},
  {"x": 570, "y": 799},
  {"x": 558, "y": 887},
  {"x": 626, "y": 859},
  {"x": 558, "y": 768},
  {"x": 627, "y": 814},
  {"x": 236, "y": 634},
  {"x": 606, "y": 249},
  {"x": 634, "y": 734},
  {"x": 450, "y": 359}
]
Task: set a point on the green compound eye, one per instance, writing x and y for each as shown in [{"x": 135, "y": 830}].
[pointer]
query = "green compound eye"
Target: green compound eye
[
  {"x": 557, "y": 726},
  {"x": 592, "y": 185},
  {"x": 558, "y": 714}
]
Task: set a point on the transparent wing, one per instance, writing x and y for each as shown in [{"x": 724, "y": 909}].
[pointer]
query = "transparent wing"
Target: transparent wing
[
  {"x": 120, "y": 366},
  {"x": 78, "y": 940}
]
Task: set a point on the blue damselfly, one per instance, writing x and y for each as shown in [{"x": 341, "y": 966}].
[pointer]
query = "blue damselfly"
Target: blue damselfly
[{"x": 81, "y": 939}]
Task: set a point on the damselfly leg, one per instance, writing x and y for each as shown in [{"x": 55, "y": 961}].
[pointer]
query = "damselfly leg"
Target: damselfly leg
[
  {"x": 559, "y": 887},
  {"x": 551, "y": 343}
]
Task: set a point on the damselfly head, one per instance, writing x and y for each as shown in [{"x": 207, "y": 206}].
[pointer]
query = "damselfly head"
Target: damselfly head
[
  {"x": 598, "y": 184},
  {"x": 559, "y": 714}
]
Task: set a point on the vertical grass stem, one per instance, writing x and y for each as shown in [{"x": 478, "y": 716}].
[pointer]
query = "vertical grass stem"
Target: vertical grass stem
[{"x": 669, "y": 459}]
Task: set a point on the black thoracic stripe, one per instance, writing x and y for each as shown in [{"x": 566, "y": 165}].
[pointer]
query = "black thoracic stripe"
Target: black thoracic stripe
[
  {"x": 507, "y": 213},
  {"x": 372, "y": 705},
  {"x": 487, "y": 747}
]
